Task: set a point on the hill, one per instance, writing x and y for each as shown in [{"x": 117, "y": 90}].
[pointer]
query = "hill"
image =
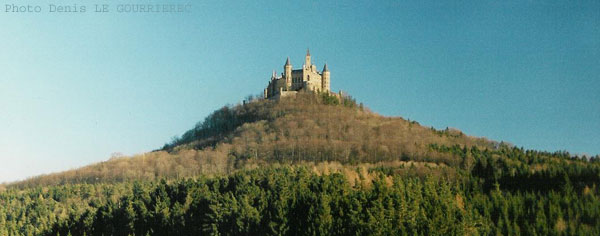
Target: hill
[
  {"x": 314, "y": 165},
  {"x": 306, "y": 128}
]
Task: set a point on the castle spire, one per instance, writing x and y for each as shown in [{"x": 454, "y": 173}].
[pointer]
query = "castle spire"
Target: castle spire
[
  {"x": 307, "y": 59},
  {"x": 287, "y": 62},
  {"x": 325, "y": 67}
]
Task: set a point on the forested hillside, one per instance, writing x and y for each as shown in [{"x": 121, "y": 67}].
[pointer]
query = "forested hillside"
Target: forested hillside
[
  {"x": 307, "y": 128},
  {"x": 314, "y": 165}
]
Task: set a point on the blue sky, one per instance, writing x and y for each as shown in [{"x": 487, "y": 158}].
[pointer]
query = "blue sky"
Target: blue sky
[{"x": 76, "y": 87}]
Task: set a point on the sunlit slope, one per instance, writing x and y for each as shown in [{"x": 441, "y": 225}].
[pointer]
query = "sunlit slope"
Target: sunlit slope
[
  {"x": 319, "y": 128},
  {"x": 305, "y": 128}
]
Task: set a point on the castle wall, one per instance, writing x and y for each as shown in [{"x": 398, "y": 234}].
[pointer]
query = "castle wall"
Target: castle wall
[
  {"x": 312, "y": 80},
  {"x": 297, "y": 81},
  {"x": 284, "y": 94}
]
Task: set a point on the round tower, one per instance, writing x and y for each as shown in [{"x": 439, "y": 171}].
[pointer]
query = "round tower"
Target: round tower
[
  {"x": 288, "y": 73},
  {"x": 325, "y": 87}
]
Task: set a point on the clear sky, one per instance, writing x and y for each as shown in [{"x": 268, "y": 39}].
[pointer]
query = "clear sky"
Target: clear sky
[{"x": 76, "y": 87}]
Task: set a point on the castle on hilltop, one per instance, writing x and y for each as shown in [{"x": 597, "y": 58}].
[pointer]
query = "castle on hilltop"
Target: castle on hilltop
[{"x": 291, "y": 81}]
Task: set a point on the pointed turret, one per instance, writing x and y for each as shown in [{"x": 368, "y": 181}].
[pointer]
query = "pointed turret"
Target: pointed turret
[
  {"x": 307, "y": 60},
  {"x": 325, "y": 67},
  {"x": 287, "y": 62}
]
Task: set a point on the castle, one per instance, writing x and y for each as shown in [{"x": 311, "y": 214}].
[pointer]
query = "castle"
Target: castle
[{"x": 291, "y": 81}]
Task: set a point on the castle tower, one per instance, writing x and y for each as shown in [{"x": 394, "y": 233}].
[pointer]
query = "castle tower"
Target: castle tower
[
  {"x": 288, "y": 74},
  {"x": 325, "y": 87},
  {"x": 307, "y": 59}
]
